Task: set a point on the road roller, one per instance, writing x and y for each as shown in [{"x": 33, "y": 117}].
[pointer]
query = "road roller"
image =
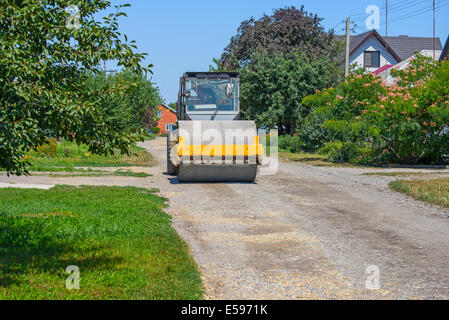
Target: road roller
[{"x": 210, "y": 143}]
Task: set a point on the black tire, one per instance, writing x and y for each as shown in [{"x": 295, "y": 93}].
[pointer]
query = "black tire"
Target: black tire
[{"x": 171, "y": 169}]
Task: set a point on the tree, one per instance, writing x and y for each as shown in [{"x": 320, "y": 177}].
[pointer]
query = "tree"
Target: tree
[
  {"x": 272, "y": 88},
  {"x": 285, "y": 31},
  {"x": 401, "y": 123},
  {"x": 45, "y": 58},
  {"x": 131, "y": 109}
]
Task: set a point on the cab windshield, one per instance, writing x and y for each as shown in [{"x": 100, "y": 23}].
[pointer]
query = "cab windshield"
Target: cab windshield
[{"x": 212, "y": 95}]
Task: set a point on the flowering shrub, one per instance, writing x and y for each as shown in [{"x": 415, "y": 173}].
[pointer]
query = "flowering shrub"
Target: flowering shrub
[
  {"x": 401, "y": 123},
  {"x": 48, "y": 149}
]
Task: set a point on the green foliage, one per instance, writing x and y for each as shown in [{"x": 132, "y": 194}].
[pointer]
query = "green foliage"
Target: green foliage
[
  {"x": 123, "y": 251},
  {"x": 287, "y": 30},
  {"x": 272, "y": 87},
  {"x": 400, "y": 123},
  {"x": 68, "y": 155},
  {"x": 281, "y": 58},
  {"x": 44, "y": 75},
  {"x": 330, "y": 148},
  {"x": 434, "y": 191},
  {"x": 419, "y": 70},
  {"x": 290, "y": 143},
  {"x": 156, "y": 130},
  {"x": 345, "y": 152},
  {"x": 130, "y": 109},
  {"x": 312, "y": 133}
]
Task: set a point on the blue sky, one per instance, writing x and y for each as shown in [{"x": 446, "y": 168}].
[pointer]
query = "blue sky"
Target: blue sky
[{"x": 185, "y": 35}]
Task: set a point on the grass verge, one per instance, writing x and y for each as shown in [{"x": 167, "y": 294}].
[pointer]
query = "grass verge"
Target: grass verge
[
  {"x": 119, "y": 237},
  {"x": 65, "y": 156},
  {"x": 435, "y": 191},
  {"x": 117, "y": 173},
  {"x": 401, "y": 174},
  {"x": 311, "y": 159}
]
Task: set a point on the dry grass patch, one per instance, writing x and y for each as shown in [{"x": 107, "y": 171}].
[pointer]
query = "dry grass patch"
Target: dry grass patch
[{"x": 435, "y": 191}]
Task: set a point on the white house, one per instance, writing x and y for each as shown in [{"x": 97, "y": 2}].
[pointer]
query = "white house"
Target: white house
[{"x": 372, "y": 51}]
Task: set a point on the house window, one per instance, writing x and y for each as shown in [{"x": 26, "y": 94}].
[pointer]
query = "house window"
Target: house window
[
  {"x": 372, "y": 59},
  {"x": 159, "y": 114},
  {"x": 169, "y": 127}
]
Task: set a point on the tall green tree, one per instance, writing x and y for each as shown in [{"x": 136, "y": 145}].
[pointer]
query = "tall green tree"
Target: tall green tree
[
  {"x": 285, "y": 31},
  {"x": 47, "y": 48},
  {"x": 272, "y": 88},
  {"x": 132, "y": 108}
]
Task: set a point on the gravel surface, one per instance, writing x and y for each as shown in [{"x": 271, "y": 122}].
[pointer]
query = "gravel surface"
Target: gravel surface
[
  {"x": 304, "y": 233},
  {"x": 310, "y": 233}
]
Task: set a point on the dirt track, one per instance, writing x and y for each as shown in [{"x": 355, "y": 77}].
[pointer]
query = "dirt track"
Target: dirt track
[
  {"x": 309, "y": 232},
  {"x": 304, "y": 233}
]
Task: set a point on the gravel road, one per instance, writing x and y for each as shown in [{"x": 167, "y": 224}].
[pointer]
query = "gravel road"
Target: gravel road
[
  {"x": 304, "y": 233},
  {"x": 309, "y": 233}
]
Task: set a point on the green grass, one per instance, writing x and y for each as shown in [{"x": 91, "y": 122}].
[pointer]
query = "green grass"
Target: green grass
[
  {"x": 312, "y": 159},
  {"x": 117, "y": 173},
  {"x": 64, "y": 169},
  {"x": 435, "y": 191},
  {"x": 69, "y": 155},
  {"x": 400, "y": 174},
  {"x": 119, "y": 237}
]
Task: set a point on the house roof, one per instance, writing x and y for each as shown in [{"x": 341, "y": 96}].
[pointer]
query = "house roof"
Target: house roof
[
  {"x": 382, "y": 69},
  {"x": 401, "y": 47},
  {"x": 357, "y": 41},
  {"x": 406, "y": 46},
  {"x": 167, "y": 107},
  {"x": 445, "y": 52}
]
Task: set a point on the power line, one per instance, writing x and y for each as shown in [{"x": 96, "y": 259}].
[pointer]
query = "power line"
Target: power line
[
  {"x": 342, "y": 21},
  {"x": 394, "y": 10},
  {"x": 433, "y": 29},
  {"x": 417, "y": 13},
  {"x": 391, "y": 8}
]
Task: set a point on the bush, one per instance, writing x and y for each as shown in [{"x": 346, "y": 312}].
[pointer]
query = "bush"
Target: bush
[
  {"x": 284, "y": 142},
  {"x": 290, "y": 144},
  {"x": 347, "y": 152},
  {"x": 330, "y": 148},
  {"x": 400, "y": 123},
  {"x": 155, "y": 130},
  {"x": 48, "y": 149},
  {"x": 311, "y": 132}
]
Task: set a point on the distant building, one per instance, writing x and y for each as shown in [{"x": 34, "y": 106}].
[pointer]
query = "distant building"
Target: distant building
[
  {"x": 167, "y": 118},
  {"x": 445, "y": 53},
  {"x": 372, "y": 51}
]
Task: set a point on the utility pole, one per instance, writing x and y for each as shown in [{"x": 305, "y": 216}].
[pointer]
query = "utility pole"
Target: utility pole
[
  {"x": 434, "y": 45},
  {"x": 386, "y": 29},
  {"x": 348, "y": 22}
]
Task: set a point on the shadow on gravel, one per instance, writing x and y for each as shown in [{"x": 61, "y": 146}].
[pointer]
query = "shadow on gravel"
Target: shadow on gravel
[{"x": 174, "y": 180}]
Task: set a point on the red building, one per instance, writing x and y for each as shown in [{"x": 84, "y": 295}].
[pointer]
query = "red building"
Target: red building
[{"x": 167, "y": 118}]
